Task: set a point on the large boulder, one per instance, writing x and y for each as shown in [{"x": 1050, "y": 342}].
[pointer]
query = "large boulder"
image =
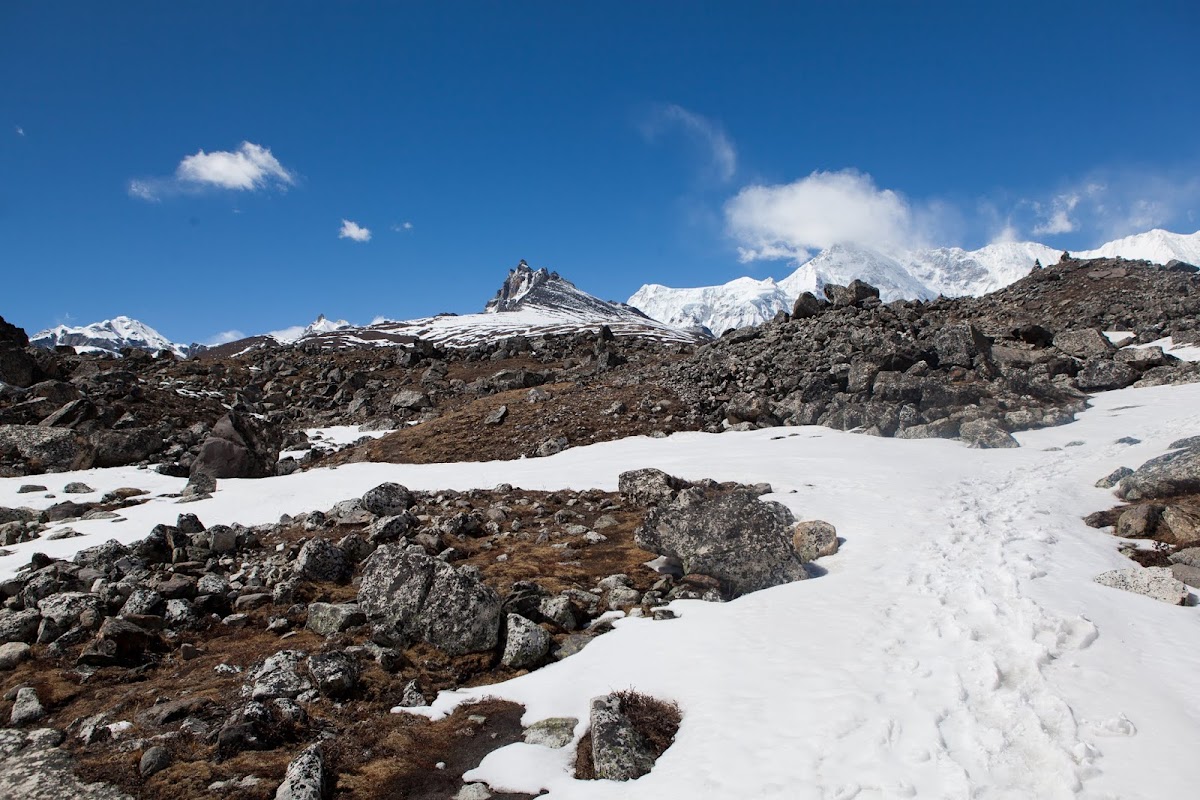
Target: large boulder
[
  {"x": 619, "y": 752},
  {"x": 1103, "y": 374},
  {"x": 957, "y": 345},
  {"x": 306, "y": 777},
  {"x": 733, "y": 536},
  {"x": 1168, "y": 475},
  {"x": 239, "y": 447},
  {"x": 388, "y": 499},
  {"x": 411, "y": 595},
  {"x": 1084, "y": 344},
  {"x": 1155, "y": 582},
  {"x": 47, "y": 449},
  {"x": 648, "y": 486}
]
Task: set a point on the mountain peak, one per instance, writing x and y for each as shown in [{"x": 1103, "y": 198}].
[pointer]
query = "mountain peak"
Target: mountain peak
[
  {"x": 525, "y": 287},
  {"x": 110, "y": 335}
]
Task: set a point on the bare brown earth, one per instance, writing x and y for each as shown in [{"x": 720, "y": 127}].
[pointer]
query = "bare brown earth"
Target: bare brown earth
[{"x": 375, "y": 754}]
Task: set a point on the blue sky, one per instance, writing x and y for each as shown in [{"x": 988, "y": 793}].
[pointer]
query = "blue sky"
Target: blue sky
[{"x": 217, "y": 166}]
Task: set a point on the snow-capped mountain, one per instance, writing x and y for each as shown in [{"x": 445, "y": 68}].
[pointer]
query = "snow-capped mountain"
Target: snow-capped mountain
[
  {"x": 110, "y": 336},
  {"x": 529, "y": 303},
  {"x": 918, "y": 274},
  {"x": 741, "y": 302},
  {"x": 1157, "y": 245},
  {"x": 319, "y": 325}
]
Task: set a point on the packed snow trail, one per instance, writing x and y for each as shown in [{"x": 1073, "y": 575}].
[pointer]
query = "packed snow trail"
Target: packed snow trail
[{"x": 956, "y": 648}]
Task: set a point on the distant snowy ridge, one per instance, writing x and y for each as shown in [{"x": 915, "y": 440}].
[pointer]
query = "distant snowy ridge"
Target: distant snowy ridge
[
  {"x": 110, "y": 336},
  {"x": 298, "y": 332},
  {"x": 918, "y": 274}
]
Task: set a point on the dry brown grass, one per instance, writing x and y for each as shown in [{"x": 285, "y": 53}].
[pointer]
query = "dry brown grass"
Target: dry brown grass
[{"x": 657, "y": 721}]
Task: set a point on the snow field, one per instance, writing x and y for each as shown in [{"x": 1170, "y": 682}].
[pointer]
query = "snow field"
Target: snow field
[{"x": 957, "y": 646}]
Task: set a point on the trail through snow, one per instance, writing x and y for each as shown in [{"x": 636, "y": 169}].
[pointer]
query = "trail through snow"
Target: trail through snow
[{"x": 956, "y": 648}]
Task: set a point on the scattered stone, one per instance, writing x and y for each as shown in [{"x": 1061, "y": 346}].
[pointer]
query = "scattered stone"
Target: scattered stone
[
  {"x": 1139, "y": 522},
  {"x": 554, "y": 732},
  {"x": 1186, "y": 573},
  {"x": 13, "y": 653},
  {"x": 76, "y": 487},
  {"x": 387, "y": 499},
  {"x": 27, "y": 707},
  {"x": 814, "y": 539},
  {"x": 1113, "y": 478},
  {"x": 154, "y": 760},
  {"x": 306, "y": 777},
  {"x": 239, "y": 446},
  {"x": 321, "y": 560},
  {"x": 496, "y": 417},
  {"x": 1183, "y": 525},
  {"x": 31, "y": 487},
  {"x": 336, "y": 674},
  {"x": 1169, "y": 475},
  {"x": 326, "y": 619},
  {"x": 619, "y": 752},
  {"x": 473, "y": 791},
  {"x": 985, "y": 434}
]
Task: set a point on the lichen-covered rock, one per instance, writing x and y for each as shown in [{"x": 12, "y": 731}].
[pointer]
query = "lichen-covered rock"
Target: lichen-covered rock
[
  {"x": 48, "y": 449},
  {"x": 619, "y": 752},
  {"x": 307, "y": 777},
  {"x": 1155, "y": 582},
  {"x": 321, "y": 560},
  {"x": 526, "y": 644},
  {"x": 551, "y": 732},
  {"x": 34, "y": 767},
  {"x": 814, "y": 539},
  {"x": 985, "y": 434},
  {"x": 335, "y": 674},
  {"x": 648, "y": 486},
  {"x": 733, "y": 536},
  {"x": 1168, "y": 475},
  {"x": 325, "y": 619},
  {"x": 387, "y": 499},
  {"x": 413, "y": 595}
]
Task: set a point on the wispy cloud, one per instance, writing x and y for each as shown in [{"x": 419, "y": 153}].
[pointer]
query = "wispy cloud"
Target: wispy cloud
[
  {"x": 793, "y": 220},
  {"x": 354, "y": 232},
  {"x": 20, "y": 130},
  {"x": 251, "y": 167},
  {"x": 705, "y": 132},
  {"x": 225, "y": 337},
  {"x": 401, "y": 227}
]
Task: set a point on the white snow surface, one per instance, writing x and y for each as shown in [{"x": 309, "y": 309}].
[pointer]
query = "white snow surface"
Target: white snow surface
[
  {"x": 1158, "y": 246},
  {"x": 957, "y": 646},
  {"x": 298, "y": 332},
  {"x": 110, "y": 335},
  {"x": 917, "y": 274}
]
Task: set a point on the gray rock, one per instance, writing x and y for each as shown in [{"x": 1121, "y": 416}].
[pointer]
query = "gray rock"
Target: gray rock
[
  {"x": 391, "y": 528},
  {"x": 496, "y": 416},
  {"x": 1138, "y": 522},
  {"x": 814, "y": 539},
  {"x": 1102, "y": 375},
  {"x": 414, "y": 595},
  {"x": 553, "y": 732},
  {"x": 412, "y": 697},
  {"x": 321, "y": 560},
  {"x": 326, "y": 619},
  {"x": 48, "y": 449},
  {"x": 335, "y": 674},
  {"x": 619, "y": 752},
  {"x": 526, "y": 644},
  {"x": 1189, "y": 556},
  {"x": 1113, "y": 478},
  {"x": 734, "y": 537},
  {"x": 1155, "y": 582},
  {"x": 67, "y": 609},
  {"x": 278, "y": 676},
  {"x": 958, "y": 345},
  {"x": 27, "y": 707},
  {"x": 34, "y": 767},
  {"x": 13, "y": 653},
  {"x": 552, "y": 446},
  {"x": 645, "y": 487},
  {"x": 1186, "y": 573},
  {"x": 349, "y": 512},
  {"x": 807, "y": 305},
  {"x": 985, "y": 434},
  {"x": 306, "y": 777},
  {"x": 473, "y": 791},
  {"x": 239, "y": 446},
  {"x": 1084, "y": 344},
  {"x": 387, "y": 499},
  {"x": 1184, "y": 525},
  {"x": 1168, "y": 475},
  {"x": 154, "y": 760},
  {"x": 77, "y": 487},
  {"x": 141, "y": 602},
  {"x": 411, "y": 400}
]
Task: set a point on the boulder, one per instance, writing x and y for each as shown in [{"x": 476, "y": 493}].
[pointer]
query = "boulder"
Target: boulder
[
  {"x": 1113, "y": 478},
  {"x": 1102, "y": 375},
  {"x": 1138, "y": 522},
  {"x": 526, "y": 643},
  {"x": 413, "y": 595},
  {"x": 1155, "y": 582},
  {"x": 619, "y": 752},
  {"x": 852, "y": 295},
  {"x": 278, "y": 676},
  {"x": 239, "y": 447},
  {"x": 325, "y": 619},
  {"x": 1084, "y": 344},
  {"x": 807, "y": 305},
  {"x": 335, "y": 674},
  {"x": 120, "y": 641},
  {"x": 733, "y": 536},
  {"x": 34, "y": 767},
  {"x": 958, "y": 345},
  {"x": 646, "y": 487},
  {"x": 1183, "y": 524},
  {"x": 48, "y": 449},
  {"x": 553, "y": 732},
  {"x": 321, "y": 560},
  {"x": 154, "y": 760},
  {"x": 984, "y": 434},
  {"x": 1168, "y": 475},
  {"x": 814, "y": 539},
  {"x": 306, "y": 777},
  {"x": 387, "y": 499},
  {"x": 13, "y": 653},
  {"x": 27, "y": 707}
]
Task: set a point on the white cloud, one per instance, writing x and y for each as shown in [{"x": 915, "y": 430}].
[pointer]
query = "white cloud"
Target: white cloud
[
  {"x": 1057, "y": 218},
  {"x": 250, "y": 168},
  {"x": 796, "y": 219},
  {"x": 20, "y": 131},
  {"x": 401, "y": 227},
  {"x": 354, "y": 231},
  {"x": 225, "y": 337},
  {"x": 703, "y": 130}
]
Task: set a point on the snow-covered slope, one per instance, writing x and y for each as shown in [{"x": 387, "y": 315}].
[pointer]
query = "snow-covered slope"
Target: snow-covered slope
[
  {"x": 917, "y": 274},
  {"x": 111, "y": 335},
  {"x": 319, "y": 325},
  {"x": 1157, "y": 245},
  {"x": 741, "y": 302},
  {"x": 956, "y": 647}
]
